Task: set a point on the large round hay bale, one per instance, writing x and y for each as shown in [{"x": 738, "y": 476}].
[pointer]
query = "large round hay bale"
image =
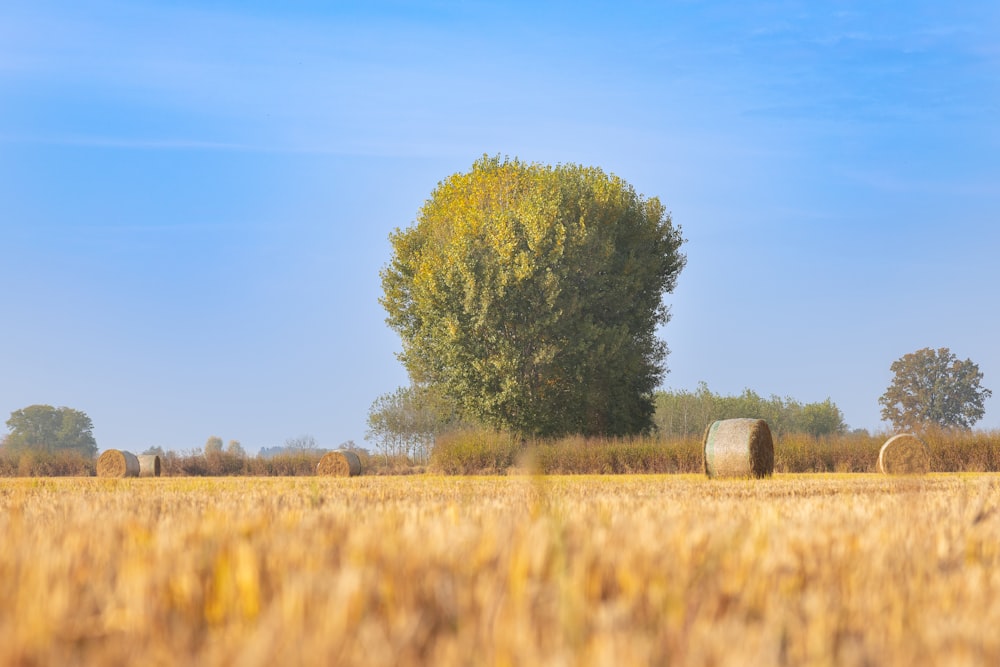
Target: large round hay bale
[
  {"x": 904, "y": 454},
  {"x": 149, "y": 465},
  {"x": 341, "y": 463},
  {"x": 116, "y": 463},
  {"x": 739, "y": 448}
]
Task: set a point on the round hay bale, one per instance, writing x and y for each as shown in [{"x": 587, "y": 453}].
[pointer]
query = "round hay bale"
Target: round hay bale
[
  {"x": 341, "y": 463},
  {"x": 116, "y": 463},
  {"x": 149, "y": 465},
  {"x": 904, "y": 454},
  {"x": 739, "y": 448}
]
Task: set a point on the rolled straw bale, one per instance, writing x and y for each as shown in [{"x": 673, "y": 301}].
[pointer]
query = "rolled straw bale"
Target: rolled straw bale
[
  {"x": 739, "y": 448},
  {"x": 149, "y": 465},
  {"x": 116, "y": 463},
  {"x": 341, "y": 463},
  {"x": 904, "y": 454}
]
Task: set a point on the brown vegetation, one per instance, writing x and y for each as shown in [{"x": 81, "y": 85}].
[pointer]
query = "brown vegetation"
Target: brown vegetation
[
  {"x": 904, "y": 454},
  {"x": 484, "y": 452},
  {"x": 480, "y": 452}
]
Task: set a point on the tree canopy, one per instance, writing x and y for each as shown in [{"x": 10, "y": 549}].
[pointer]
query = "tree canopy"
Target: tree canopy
[
  {"x": 933, "y": 387},
  {"x": 49, "y": 429},
  {"x": 213, "y": 445},
  {"x": 530, "y": 295}
]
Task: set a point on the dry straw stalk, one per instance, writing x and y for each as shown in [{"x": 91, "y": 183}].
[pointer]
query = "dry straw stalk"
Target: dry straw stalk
[
  {"x": 904, "y": 454},
  {"x": 117, "y": 463},
  {"x": 739, "y": 448},
  {"x": 340, "y": 464}
]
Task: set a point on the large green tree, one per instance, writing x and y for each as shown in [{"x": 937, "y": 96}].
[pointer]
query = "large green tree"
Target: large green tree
[
  {"x": 49, "y": 429},
  {"x": 933, "y": 387},
  {"x": 531, "y": 294}
]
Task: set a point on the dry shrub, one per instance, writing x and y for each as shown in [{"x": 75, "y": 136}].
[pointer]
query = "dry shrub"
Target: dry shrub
[
  {"x": 117, "y": 463},
  {"x": 959, "y": 450},
  {"x": 904, "y": 454},
  {"x": 602, "y": 456},
  {"x": 390, "y": 464},
  {"x": 149, "y": 465},
  {"x": 46, "y": 464},
  {"x": 739, "y": 448},
  {"x": 297, "y": 464},
  {"x": 846, "y": 452},
  {"x": 475, "y": 451},
  {"x": 343, "y": 463},
  {"x": 8, "y": 465},
  {"x": 218, "y": 464}
]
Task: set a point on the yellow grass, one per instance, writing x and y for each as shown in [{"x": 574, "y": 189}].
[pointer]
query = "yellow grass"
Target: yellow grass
[{"x": 623, "y": 570}]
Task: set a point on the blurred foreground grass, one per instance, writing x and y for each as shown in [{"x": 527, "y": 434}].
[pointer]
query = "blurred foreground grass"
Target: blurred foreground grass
[{"x": 518, "y": 570}]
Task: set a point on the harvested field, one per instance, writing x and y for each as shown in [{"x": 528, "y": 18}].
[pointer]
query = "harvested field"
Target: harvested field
[{"x": 583, "y": 570}]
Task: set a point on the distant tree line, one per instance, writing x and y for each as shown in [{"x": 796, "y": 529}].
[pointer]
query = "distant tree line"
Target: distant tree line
[
  {"x": 681, "y": 413},
  {"x": 931, "y": 389},
  {"x": 408, "y": 422}
]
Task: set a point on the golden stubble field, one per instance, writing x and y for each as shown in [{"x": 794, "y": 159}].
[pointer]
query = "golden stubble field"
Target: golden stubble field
[{"x": 423, "y": 570}]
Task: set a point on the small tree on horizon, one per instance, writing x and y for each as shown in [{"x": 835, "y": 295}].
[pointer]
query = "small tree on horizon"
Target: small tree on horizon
[
  {"x": 407, "y": 421},
  {"x": 933, "y": 387},
  {"x": 213, "y": 445},
  {"x": 48, "y": 429}
]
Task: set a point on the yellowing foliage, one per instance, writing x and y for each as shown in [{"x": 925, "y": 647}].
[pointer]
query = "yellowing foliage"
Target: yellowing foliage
[
  {"x": 530, "y": 296},
  {"x": 636, "y": 570}
]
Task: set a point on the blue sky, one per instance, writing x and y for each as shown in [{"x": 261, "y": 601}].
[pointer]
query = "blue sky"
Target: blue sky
[{"x": 196, "y": 196}]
